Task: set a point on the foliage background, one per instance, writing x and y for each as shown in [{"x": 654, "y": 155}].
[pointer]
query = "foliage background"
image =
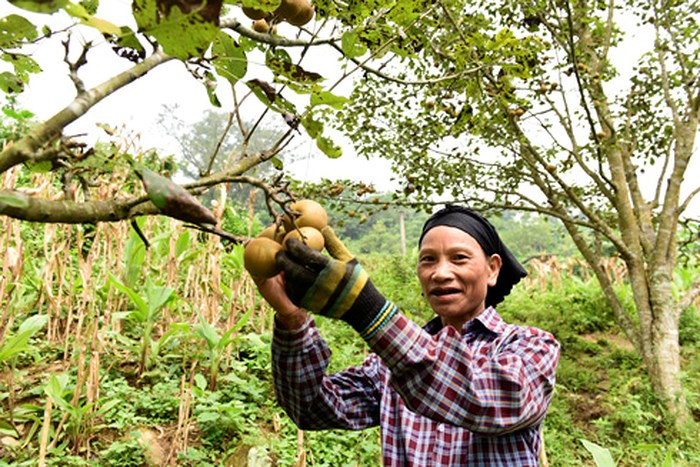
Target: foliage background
[{"x": 202, "y": 394}]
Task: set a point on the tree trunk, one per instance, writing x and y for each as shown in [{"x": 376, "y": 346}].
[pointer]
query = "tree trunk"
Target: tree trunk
[
  {"x": 665, "y": 370},
  {"x": 665, "y": 365}
]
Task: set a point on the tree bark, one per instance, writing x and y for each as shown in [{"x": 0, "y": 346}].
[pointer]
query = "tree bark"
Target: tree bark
[{"x": 665, "y": 365}]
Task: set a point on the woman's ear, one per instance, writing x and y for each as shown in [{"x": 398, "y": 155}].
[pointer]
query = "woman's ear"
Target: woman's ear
[{"x": 494, "y": 265}]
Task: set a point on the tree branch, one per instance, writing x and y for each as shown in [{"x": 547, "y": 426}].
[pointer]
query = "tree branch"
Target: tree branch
[
  {"x": 35, "y": 209},
  {"x": 690, "y": 296},
  {"x": 28, "y": 149}
]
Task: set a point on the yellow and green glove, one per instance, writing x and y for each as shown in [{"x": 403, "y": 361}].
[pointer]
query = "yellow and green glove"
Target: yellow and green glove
[{"x": 336, "y": 286}]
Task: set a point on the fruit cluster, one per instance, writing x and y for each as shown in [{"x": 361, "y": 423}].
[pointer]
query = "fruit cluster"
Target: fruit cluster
[
  {"x": 295, "y": 12},
  {"x": 259, "y": 255}
]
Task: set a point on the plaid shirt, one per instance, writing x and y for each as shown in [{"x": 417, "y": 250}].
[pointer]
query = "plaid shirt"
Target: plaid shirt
[{"x": 442, "y": 397}]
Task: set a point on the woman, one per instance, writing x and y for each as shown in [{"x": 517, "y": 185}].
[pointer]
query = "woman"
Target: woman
[{"x": 466, "y": 389}]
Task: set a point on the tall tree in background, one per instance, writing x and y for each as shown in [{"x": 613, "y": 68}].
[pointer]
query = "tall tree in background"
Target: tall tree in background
[{"x": 534, "y": 106}]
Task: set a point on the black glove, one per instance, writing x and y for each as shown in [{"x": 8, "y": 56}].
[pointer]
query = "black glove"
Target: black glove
[{"x": 336, "y": 287}]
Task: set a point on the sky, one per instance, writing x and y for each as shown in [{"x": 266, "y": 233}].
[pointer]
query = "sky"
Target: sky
[{"x": 136, "y": 107}]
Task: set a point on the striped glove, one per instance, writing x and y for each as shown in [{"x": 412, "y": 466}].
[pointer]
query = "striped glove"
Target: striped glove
[{"x": 336, "y": 286}]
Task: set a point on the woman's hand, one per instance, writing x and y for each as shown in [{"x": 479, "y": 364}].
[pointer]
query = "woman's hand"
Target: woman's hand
[{"x": 289, "y": 316}]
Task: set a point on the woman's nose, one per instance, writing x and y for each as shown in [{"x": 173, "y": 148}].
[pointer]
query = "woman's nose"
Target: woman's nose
[{"x": 442, "y": 270}]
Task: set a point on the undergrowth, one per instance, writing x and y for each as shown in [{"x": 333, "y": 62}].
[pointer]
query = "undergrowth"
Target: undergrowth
[{"x": 171, "y": 387}]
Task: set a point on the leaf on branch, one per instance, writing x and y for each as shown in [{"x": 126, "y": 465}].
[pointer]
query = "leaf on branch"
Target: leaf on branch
[
  {"x": 258, "y": 85},
  {"x": 23, "y": 65},
  {"x": 184, "y": 31},
  {"x": 14, "y": 29},
  {"x": 10, "y": 83},
  {"x": 281, "y": 63},
  {"x": 172, "y": 199},
  {"x": 263, "y": 5},
  {"x": 321, "y": 97},
  {"x": 126, "y": 44},
  {"x": 312, "y": 126},
  {"x": 40, "y": 6},
  {"x": 351, "y": 45},
  {"x": 210, "y": 85},
  {"x": 230, "y": 60},
  {"x": 104, "y": 26},
  {"x": 328, "y": 147}
]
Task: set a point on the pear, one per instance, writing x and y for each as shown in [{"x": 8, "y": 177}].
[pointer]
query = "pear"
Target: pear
[
  {"x": 259, "y": 257},
  {"x": 311, "y": 214}
]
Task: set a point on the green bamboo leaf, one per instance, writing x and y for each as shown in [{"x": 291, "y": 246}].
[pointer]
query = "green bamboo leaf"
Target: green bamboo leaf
[
  {"x": 56, "y": 388},
  {"x": 140, "y": 303},
  {"x": 601, "y": 455},
  {"x": 157, "y": 296},
  {"x": 182, "y": 244},
  {"x": 19, "y": 342},
  {"x": 207, "y": 332}
]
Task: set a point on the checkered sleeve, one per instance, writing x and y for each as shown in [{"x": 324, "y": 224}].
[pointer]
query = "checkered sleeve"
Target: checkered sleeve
[
  {"x": 494, "y": 383},
  {"x": 313, "y": 399}
]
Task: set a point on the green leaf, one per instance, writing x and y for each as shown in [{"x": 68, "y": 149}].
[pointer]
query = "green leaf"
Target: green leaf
[
  {"x": 207, "y": 332},
  {"x": 328, "y": 147},
  {"x": 140, "y": 303},
  {"x": 351, "y": 45},
  {"x": 264, "y": 5},
  {"x": 321, "y": 97},
  {"x": 41, "y": 167},
  {"x": 15, "y": 29},
  {"x": 14, "y": 199},
  {"x": 210, "y": 86},
  {"x": 279, "y": 61},
  {"x": 182, "y": 35},
  {"x": 55, "y": 388},
  {"x": 104, "y": 26},
  {"x": 40, "y": 6},
  {"x": 10, "y": 83},
  {"x": 230, "y": 60},
  {"x": 277, "y": 163},
  {"x": 269, "y": 96},
  {"x": 601, "y": 455},
  {"x": 23, "y": 65},
  {"x": 182, "y": 244},
  {"x": 157, "y": 296},
  {"x": 313, "y": 127},
  {"x": 19, "y": 342}
]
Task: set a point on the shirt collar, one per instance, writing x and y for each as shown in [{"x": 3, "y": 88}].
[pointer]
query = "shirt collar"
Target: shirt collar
[{"x": 489, "y": 320}]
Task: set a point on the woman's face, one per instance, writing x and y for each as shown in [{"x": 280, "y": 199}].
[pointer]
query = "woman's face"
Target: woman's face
[{"x": 455, "y": 273}]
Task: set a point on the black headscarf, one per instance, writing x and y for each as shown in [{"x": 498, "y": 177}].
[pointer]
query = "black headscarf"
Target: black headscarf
[{"x": 485, "y": 234}]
